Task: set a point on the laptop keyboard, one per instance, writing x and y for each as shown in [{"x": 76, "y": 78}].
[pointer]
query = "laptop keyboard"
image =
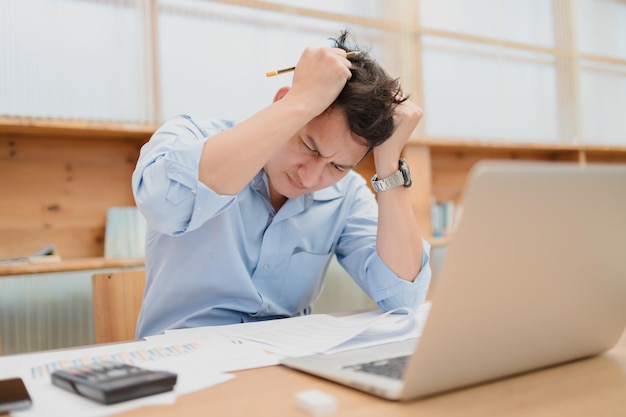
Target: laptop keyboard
[{"x": 390, "y": 367}]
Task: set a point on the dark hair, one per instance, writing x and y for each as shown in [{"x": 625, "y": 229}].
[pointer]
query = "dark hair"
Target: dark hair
[{"x": 369, "y": 97}]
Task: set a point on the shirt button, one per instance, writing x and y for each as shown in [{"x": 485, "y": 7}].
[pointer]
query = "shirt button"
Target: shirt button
[
  {"x": 265, "y": 266},
  {"x": 266, "y": 309}
]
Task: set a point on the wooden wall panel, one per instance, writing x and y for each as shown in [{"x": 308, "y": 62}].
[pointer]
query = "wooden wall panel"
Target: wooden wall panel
[
  {"x": 59, "y": 179},
  {"x": 56, "y": 190},
  {"x": 604, "y": 157},
  {"x": 71, "y": 242}
]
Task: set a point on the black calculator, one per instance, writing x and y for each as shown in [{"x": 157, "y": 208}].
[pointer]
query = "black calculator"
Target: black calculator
[{"x": 113, "y": 382}]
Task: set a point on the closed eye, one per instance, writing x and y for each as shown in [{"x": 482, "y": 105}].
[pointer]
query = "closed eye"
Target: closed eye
[
  {"x": 308, "y": 147},
  {"x": 341, "y": 168}
]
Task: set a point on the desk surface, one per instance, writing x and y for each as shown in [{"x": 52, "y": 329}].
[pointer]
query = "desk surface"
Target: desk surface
[{"x": 589, "y": 387}]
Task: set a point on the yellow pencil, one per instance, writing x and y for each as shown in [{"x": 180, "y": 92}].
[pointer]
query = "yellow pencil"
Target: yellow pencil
[{"x": 349, "y": 55}]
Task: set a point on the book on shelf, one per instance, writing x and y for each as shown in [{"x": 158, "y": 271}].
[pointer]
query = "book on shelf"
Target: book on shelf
[{"x": 444, "y": 216}]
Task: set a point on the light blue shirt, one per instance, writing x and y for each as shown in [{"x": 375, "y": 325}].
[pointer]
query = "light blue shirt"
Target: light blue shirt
[{"x": 220, "y": 259}]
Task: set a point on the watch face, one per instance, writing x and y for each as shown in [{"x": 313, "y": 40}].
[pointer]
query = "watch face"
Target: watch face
[{"x": 406, "y": 172}]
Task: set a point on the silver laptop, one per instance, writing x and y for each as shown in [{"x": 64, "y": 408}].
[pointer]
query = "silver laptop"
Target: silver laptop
[{"x": 534, "y": 276}]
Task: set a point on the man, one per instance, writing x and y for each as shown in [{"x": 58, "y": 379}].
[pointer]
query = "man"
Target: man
[{"x": 243, "y": 219}]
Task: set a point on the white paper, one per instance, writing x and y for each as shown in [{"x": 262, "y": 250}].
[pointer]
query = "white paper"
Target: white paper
[
  {"x": 188, "y": 361},
  {"x": 317, "y": 333},
  {"x": 201, "y": 356},
  {"x": 391, "y": 329}
]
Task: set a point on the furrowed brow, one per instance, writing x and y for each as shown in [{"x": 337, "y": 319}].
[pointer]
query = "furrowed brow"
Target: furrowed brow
[{"x": 313, "y": 145}]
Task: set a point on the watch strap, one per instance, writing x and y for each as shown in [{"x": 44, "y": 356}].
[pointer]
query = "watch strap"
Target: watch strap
[
  {"x": 401, "y": 177},
  {"x": 394, "y": 180}
]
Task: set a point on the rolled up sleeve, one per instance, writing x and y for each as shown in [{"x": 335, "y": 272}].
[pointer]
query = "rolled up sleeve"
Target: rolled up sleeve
[
  {"x": 403, "y": 293},
  {"x": 165, "y": 181},
  {"x": 358, "y": 255}
]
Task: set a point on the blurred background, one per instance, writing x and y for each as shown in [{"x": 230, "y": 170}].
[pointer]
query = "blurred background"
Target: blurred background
[
  {"x": 499, "y": 70},
  {"x": 84, "y": 83}
]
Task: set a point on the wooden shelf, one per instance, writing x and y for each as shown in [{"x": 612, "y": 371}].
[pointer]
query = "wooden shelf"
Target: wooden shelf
[
  {"x": 79, "y": 264},
  {"x": 440, "y": 166},
  {"x": 63, "y": 176},
  {"x": 484, "y": 146},
  {"x": 439, "y": 240},
  {"x": 74, "y": 128}
]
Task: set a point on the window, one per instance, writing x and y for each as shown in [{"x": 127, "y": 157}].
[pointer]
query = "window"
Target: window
[{"x": 496, "y": 70}]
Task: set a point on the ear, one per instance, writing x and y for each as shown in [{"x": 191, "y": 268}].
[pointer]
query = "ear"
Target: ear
[{"x": 282, "y": 92}]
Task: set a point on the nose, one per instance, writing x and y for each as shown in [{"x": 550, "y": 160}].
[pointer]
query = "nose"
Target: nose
[{"x": 310, "y": 173}]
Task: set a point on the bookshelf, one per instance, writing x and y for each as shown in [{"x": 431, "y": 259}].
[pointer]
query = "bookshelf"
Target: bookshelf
[
  {"x": 440, "y": 167},
  {"x": 59, "y": 179}
]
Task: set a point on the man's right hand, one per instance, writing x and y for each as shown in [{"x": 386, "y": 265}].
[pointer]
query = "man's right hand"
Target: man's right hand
[{"x": 320, "y": 75}]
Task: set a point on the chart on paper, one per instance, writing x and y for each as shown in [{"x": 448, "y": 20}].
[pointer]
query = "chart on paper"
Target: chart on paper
[{"x": 132, "y": 357}]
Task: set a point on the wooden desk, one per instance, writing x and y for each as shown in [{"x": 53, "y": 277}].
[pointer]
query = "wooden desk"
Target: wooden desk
[{"x": 590, "y": 387}]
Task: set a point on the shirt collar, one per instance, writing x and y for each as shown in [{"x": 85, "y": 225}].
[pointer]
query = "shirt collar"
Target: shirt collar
[
  {"x": 260, "y": 184},
  {"x": 329, "y": 193}
]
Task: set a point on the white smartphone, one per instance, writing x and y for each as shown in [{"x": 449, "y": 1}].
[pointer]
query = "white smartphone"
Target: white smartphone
[{"x": 13, "y": 395}]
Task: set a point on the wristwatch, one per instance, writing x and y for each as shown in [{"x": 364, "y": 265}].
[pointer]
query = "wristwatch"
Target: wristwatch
[{"x": 401, "y": 177}]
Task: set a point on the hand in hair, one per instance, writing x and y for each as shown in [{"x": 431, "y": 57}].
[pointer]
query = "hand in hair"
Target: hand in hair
[
  {"x": 406, "y": 117},
  {"x": 320, "y": 75}
]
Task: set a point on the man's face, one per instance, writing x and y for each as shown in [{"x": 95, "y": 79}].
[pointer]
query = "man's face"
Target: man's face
[{"x": 317, "y": 156}]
